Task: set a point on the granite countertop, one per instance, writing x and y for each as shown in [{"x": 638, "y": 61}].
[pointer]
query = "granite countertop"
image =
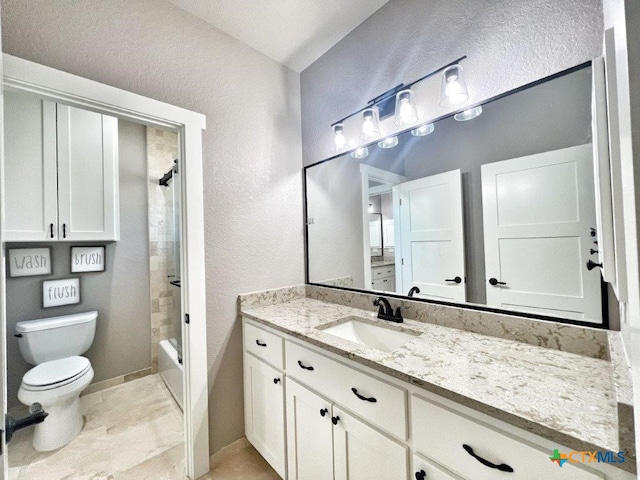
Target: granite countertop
[{"x": 564, "y": 397}]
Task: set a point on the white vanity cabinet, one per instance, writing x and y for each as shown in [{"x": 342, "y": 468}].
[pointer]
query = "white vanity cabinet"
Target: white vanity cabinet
[
  {"x": 264, "y": 395},
  {"x": 383, "y": 278},
  {"x": 61, "y": 172},
  {"x": 326, "y": 442},
  {"x": 386, "y": 429}
]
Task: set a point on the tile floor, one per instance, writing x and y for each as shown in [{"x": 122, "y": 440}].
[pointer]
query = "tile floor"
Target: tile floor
[{"x": 131, "y": 432}]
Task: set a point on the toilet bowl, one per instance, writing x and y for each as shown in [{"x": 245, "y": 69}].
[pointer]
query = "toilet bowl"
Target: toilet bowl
[
  {"x": 54, "y": 345},
  {"x": 57, "y": 385}
]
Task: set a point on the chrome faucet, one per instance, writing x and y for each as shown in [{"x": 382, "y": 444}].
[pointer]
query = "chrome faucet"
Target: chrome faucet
[{"x": 385, "y": 312}]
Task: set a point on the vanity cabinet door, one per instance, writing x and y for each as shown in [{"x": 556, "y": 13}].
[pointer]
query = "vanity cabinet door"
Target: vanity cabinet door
[
  {"x": 87, "y": 175},
  {"x": 264, "y": 411},
  {"x": 31, "y": 208},
  {"x": 362, "y": 453},
  {"x": 309, "y": 434}
]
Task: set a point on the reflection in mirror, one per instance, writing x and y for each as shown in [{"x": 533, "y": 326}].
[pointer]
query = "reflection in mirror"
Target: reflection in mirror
[
  {"x": 496, "y": 210},
  {"x": 375, "y": 233}
]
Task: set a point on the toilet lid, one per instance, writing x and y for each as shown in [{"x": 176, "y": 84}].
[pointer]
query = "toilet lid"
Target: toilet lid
[{"x": 56, "y": 371}]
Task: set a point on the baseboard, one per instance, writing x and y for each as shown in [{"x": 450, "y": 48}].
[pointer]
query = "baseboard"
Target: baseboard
[
  {"x": 113, "y": 382},
  {"x": 228, "y": 451}
]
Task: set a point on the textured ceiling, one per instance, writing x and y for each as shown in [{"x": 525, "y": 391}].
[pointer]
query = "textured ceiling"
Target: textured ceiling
[{"x": 292, "y": 32}]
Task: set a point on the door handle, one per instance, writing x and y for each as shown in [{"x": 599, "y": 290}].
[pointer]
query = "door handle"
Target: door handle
[
  {"x": 36, "y": 415},
  {"x": 591, "y": 265},
  {"x": 455, "y": 279},
  {"x": 494, "y": 282},
  {"x": 51, "y": 228}
]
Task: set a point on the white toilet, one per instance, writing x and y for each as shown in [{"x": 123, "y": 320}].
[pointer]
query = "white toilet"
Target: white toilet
[{"x": 60, "y": 375}]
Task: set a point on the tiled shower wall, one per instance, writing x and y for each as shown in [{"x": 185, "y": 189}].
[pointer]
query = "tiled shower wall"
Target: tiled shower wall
[{"x": 162, "y": 150}]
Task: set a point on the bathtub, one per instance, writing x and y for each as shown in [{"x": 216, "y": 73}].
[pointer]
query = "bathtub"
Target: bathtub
[{"x": 171, "y": 370}]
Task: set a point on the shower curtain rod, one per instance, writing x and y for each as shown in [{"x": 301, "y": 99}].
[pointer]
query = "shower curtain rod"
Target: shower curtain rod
[{"x": 164, "y": 181}]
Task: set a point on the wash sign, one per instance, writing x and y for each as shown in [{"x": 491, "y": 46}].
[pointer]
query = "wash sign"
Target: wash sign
[{"x": 26, "y": 262}]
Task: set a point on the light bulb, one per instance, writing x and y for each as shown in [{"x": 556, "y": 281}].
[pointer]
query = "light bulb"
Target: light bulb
[
  {"x": 388, "y": 142},
  {"x": 423, "y": 130},
  {"x": 370, "y": 125},
  {"x": 360, "y": 152},
  {"x": 453, "y": 91},
  {"x": 340, "y": 140},
  {"x": 406, "y": 113}
]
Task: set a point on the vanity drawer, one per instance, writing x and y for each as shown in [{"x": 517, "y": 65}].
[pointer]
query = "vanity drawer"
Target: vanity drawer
[
  {"x": 382, "y": 272},
  {"x": 263, "y": 344},
  {"x": 440, "y": 433},
  {"x": 337, "y": 381},
  {"x": 431, "y": 471}
]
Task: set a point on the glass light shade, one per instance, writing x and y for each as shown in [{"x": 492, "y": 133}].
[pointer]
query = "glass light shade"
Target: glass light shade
[
  {"x": 360, "y": 152},
  {"x": 423, "y": 130},
  {"x": 406, "y": 113},
  {"x": 370, "y": 124},
  {"x": 388, "y": 142},
  {"x": 468, "y": 114},
  {"x": 340, "y": 140},
  {"x": 453, "y": 91}
]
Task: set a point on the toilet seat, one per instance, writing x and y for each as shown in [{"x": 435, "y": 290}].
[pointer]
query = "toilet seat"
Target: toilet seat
[{"x": 56, "y": 373}]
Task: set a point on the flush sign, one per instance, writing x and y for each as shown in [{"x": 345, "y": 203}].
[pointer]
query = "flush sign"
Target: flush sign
[
  {"x": 26, "y": 262},
  {"x": 60, "y": 292}
]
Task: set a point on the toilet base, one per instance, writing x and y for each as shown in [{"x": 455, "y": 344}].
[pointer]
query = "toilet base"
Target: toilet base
[{"x": 62, "y": 425}]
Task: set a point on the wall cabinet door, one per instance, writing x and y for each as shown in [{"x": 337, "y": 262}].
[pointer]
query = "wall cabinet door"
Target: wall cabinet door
[
  {"x": 87, "y": 175},
  {"x": 61, "y": 172},
  {"x": 309, "y": 434},
  {"x": 264, "y": 411},
  {"x": 362, "y": 453},
  {"x": 31, "y": 208}
]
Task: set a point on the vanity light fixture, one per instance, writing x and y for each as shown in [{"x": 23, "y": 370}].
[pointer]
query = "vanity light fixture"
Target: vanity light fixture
[
  {"x": 453, "y": 90},
  {"x": 360, "y": 152},
  {"x": 388, "y": 142},
  {"x": 423, "y": 130},
  {"x": 468, "y": 114},
  {"x": 400, "y": 103},
  {"x": 370, "y": 124},
  {"x": 406, "y": 113},
  {"x": 340, "y": 140}
]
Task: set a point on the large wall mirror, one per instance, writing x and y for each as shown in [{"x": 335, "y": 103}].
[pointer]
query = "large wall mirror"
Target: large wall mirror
[{"x": 497, "y": 211}]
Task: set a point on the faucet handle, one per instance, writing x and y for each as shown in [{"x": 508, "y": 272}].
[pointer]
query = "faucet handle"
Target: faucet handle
[{"x": 398, "y": 314}]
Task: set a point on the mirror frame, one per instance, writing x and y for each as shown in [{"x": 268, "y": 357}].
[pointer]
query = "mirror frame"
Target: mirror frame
[{"x": 471, "y": 306}]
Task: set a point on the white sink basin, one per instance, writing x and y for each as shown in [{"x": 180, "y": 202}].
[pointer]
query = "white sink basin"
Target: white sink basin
[{"x": 376, "y": 336}]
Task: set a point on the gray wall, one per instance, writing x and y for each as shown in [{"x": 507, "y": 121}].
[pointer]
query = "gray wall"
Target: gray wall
[
  {"x": 508, "y": 43},
  {"x": 251, "y": 148},
  {"x": 120, "y": 294}
]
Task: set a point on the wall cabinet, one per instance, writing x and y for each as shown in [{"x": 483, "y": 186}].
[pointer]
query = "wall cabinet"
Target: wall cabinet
[
  {"x": 325, "y": 442},
  {"x": 61, "y": 172}
]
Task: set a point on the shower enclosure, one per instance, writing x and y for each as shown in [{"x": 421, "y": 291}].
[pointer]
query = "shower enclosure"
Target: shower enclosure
[{"x": 170, "y": 349}]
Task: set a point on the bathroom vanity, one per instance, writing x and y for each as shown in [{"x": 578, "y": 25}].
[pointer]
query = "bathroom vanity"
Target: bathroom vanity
[{"x": 323, "y": 403}]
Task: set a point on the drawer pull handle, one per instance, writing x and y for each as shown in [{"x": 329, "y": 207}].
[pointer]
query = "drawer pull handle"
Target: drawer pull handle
[
  {"x": 303, "y": 367},
  {"x": 335, "y": 420},
  {"x": 276, "y": 381},
  {"x": 454, "y": 279},
  {"x": 370, "y": 399},
  {"x": 324, "y": 411},
  {"x": 260, "y": 344},
  {"x": 421, "y": 475},
  {"x": 503, "y": 467},
  {"x": 51, "y": 227},
  {"x": 64, "y": 230}
]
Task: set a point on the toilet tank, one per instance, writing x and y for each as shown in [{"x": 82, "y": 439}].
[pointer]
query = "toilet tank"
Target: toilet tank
[{"x": 53, "y": 338}]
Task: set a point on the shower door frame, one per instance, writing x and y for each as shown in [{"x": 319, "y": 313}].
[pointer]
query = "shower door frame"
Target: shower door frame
[{"x": 20, "y": 74}]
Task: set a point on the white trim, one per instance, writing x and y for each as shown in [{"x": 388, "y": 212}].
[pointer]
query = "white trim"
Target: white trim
[{"x": 77, "y": 91}]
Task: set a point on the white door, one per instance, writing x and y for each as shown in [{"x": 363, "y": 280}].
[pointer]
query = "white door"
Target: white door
[
  {"x": 432, "y": 237},
  {"x": 31, "y": 197},
  {"x": 87, "y": 175},
  {"x": 309, "y": 435},
  {"x": 4, "y": 464},
  {"x": 264, "y": 411},
  {"x": 538, "y": 213},
  {"x": 362, "y": 453}
]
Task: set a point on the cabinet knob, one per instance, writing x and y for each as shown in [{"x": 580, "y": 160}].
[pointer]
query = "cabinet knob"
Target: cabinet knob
[
  {"x": 421, "y": 475},
  {"x": 276, "y": 381},
  {"x": 335, "y": 420},
  {"x": 324, "y": 411},
  {"x": 591, "y": 265}
]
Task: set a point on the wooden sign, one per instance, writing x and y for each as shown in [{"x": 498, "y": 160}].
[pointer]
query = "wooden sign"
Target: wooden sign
[
  {"x": 87, "y": 259},
  {"x": 60, "y": 292},
  {"x": 27, "y": 262}
]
